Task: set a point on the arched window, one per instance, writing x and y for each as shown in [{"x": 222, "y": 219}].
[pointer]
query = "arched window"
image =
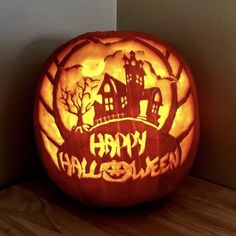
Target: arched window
[
  {"x": 157, "y": 97},
  {"x": 107, "y": 88},
  {"x": 133, "y": 62}
]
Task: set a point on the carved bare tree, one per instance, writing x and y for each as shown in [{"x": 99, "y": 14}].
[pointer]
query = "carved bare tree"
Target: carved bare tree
[{"x": 78, "y": 101}]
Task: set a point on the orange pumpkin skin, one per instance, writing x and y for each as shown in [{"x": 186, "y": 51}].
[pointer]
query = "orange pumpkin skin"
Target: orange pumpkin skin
[{"x": 116, "y": 118}]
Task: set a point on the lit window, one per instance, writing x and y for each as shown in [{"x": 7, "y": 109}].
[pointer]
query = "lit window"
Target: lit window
[
  {"x": 107, "y": 88},
  {"x": 154, "y": 108},
  {"x": 123, "y": 101},
  {"x": 109, "y": 104},
  {"x": 157, "y": 97}
]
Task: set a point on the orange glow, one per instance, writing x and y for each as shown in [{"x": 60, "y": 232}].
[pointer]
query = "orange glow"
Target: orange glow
[
  {"x": 93, "y": 67},
  {"x": 46, "y": 92},
  {"x": 52, "y": 149},
  {"x": 94, "y": 60},
  {"x": 117, "y": 171},
  {"x": 48, "y": 125},
  {"x": 184, "y": 117},
  {"x": 186, "y": 145},
  {"x": 92, "y": 64},
  {"x": 183, "y": 85},
  {"x": 116, "y": 109},
  {"x": 174, "y": 63}
]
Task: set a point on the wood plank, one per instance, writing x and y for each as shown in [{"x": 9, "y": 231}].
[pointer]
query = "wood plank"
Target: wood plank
[
  {"x": 197, "y": 207},
  {"x": 25, "y": 213}
]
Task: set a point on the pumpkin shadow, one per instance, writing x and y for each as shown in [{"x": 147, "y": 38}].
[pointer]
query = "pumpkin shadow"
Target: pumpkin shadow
[
  {"x": 46, "y": 189},
  {"x": 18, "y": 149}
]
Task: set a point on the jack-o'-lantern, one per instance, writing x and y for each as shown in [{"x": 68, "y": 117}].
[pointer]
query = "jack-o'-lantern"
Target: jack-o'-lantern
[{"x": 116, "y": 118}]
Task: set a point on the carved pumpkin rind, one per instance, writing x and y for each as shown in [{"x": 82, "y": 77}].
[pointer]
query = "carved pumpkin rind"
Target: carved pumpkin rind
[{"x": 139, "y": 141}]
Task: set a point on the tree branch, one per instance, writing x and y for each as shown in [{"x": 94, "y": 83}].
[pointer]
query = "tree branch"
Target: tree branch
[
  {"x": 48, "y": 109},
  {"x": 179, "y": 72},
  {"x": 95, "y": 86},
  {"x": 152, "y": 70},
  {"x": 174, "y": 104},
  {"x": 88, "y": 107},
  {"x": 87, "y": 93},
  {"x": 94, "y": 80},
  {"x": 172, "y": 112},
  {"x": 49, "y": 138},
  {"x": 185, "y": 133},
  {"x": 79, "y": 85},
  {"x": 50, "y": 78},
  {"x": 167, "y": 54},
  {"x": 185, "y": 98},
  {"x": 74, "y": 101},
  {"x": 57, "y": 62},
  {"x": 65, "y": 97}
]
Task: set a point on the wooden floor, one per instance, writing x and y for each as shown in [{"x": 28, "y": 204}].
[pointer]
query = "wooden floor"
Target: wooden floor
[{"x": 197, "y": 207}]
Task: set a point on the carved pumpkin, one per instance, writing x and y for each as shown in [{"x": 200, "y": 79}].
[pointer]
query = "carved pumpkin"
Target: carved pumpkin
[{"x": 116, "y": 118}]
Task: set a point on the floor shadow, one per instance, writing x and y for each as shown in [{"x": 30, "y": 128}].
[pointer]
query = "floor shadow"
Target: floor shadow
[{"x": 46, "y": 189}]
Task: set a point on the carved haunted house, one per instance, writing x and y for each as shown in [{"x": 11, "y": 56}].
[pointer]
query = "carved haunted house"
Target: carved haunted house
[{"x": 120, "y": 100}]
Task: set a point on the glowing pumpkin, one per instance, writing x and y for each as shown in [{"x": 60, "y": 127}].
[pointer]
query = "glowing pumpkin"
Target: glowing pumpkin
[{"x": 116, "y": 118}]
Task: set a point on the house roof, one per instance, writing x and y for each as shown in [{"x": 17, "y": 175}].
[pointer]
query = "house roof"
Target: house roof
[
  {"x": 119, "y": 87},
  {"x": 151, "y": 92}
]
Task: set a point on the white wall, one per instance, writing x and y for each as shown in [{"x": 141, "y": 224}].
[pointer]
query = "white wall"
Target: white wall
[{"x": 29, "y": 31}]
